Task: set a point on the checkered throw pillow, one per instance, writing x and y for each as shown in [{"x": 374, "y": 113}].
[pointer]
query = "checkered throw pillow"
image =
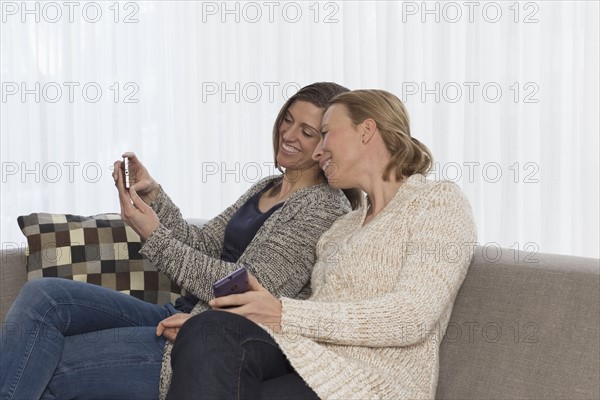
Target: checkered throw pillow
[{"x": 100, "y": 249}]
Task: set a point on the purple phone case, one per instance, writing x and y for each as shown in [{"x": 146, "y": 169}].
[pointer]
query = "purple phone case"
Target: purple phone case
[{"x": 236, "y": 282}]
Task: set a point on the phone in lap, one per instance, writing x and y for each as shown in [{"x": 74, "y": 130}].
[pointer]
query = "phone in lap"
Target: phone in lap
[
  {"x": 126, "y": 171},
  {"x": 234, "y": 283}
]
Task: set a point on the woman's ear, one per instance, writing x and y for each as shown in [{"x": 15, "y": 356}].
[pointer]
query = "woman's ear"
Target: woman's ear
[{"x": 368, "y": 127}]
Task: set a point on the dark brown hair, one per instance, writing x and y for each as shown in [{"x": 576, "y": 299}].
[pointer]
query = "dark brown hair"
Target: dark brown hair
[{"x": 320, "y": 95}]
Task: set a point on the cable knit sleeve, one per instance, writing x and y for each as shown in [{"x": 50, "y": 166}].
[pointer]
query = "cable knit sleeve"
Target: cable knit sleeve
[
  {"x": 435, "y": 259},
  {"x": 281, "y": 260},
  {"x": 207, "y": 239}
]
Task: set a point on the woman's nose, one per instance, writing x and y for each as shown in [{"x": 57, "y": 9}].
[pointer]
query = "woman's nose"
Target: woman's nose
[
  {"x": 316, "y": 155},
  {"x": 290, "y": 132}
]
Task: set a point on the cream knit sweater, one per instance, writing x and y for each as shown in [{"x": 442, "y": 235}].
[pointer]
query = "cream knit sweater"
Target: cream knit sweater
[{"x": 382, "y": 296}]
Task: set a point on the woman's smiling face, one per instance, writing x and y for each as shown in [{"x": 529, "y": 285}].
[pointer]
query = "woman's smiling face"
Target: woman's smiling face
[
  {"x": 299, "y": 135},
  {"x": 338, "y": 153}
]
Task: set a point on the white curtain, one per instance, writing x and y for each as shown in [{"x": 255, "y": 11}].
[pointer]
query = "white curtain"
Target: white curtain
[{"x": 505, "y": 94}]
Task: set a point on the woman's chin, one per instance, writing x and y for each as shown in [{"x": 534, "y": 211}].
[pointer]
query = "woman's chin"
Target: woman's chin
[
  {"x": 334, "y": 182},
  {"x": 287, "y": 160},
  {"x": 297, "y": 166},
  {"x": 286, "y": 163}
]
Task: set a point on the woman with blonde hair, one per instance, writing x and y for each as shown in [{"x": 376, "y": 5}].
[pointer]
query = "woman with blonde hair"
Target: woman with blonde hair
[{"x": 383, "y": 285}]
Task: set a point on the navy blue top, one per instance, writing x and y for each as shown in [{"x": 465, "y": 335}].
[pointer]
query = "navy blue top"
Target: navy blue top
[{"x": 239, "y": 232}]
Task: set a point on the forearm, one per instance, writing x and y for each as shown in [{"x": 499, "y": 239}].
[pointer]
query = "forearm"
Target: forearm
[
  {"x": 206, "y": 239},
  {"x": 170, "y": 215},
  {"x": 191, "y": 269},
  {"x": 390, "y": 320},
  {"x": 281, "y": 260},
  {"x": 196, "y": 272}
]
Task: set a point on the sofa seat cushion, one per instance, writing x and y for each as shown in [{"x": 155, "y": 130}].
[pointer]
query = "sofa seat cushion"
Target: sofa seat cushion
[{"x": 100, "y": 249}]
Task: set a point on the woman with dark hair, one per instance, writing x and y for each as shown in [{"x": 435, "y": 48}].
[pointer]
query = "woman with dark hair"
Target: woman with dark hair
[
  {"x": 85, "y": 341},
  {"x": 380, "y": 301}
]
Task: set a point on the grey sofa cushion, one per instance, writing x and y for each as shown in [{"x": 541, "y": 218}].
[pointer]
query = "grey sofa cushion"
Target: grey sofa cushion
[{"x": 524, "y": 330}]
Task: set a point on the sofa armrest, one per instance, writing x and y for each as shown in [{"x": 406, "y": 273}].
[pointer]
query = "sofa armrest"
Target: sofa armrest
[
  {"x": 524, "y": 326},
  {"x": 13, "y": 276}
]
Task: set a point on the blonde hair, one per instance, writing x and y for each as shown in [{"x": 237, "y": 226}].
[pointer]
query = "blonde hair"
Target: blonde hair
[{"x": 408, "y": 155}]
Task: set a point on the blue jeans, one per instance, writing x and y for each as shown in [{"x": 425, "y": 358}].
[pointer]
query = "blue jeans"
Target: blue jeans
[
  {"x": 65, "y": 339},
  {"x": 219, "y": 355}
]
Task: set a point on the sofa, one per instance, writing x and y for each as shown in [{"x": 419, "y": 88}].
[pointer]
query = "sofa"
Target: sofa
[{"x": 524, "y": 325}]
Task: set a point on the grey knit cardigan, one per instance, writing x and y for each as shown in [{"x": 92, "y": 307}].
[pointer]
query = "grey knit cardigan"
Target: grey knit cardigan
[{"x": 281, "y": 255}]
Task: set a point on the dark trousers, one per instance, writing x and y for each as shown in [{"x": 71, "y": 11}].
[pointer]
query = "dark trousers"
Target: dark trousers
[{"x": 219, "y": 355}]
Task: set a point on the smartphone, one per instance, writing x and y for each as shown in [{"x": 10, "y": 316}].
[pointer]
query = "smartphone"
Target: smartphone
[
  {"x": 234, "y": 283},
  {"x": 126, "y": 171}
]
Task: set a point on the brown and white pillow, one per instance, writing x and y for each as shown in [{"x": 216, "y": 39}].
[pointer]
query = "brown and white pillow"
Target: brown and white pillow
[{"x": 100, "y": 249}]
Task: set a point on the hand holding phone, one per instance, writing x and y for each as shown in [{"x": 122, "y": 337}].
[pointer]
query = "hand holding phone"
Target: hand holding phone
[{"x": 234, "y": 283}]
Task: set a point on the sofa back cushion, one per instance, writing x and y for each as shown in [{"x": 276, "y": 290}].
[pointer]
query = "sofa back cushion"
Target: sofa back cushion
[
  {"x": 100, "y": 249},
  {"x": 524, "y": 326}
]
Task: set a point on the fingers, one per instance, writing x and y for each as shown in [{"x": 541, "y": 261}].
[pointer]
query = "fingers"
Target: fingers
[
  {"x": 134, "y": 163},
  {"x": 124, "y": 198},
  {"x": 138, "y": 174},
  {"x": 241, "y": 310},
  {"x": 116, "y": 170},
  {"x": 232, "y": 300},
  {"x": 131, "y": 155},
  {"x": 169, "y": 327},
  {"x": 175, "y": 321},
  {"x": 160, "y": 328},
  {"x": 171, "y": 334},
  {"x": 253, "y": 282},
  {"x": 236, "y": 300},
  {"x": 137, "y": 200}
]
